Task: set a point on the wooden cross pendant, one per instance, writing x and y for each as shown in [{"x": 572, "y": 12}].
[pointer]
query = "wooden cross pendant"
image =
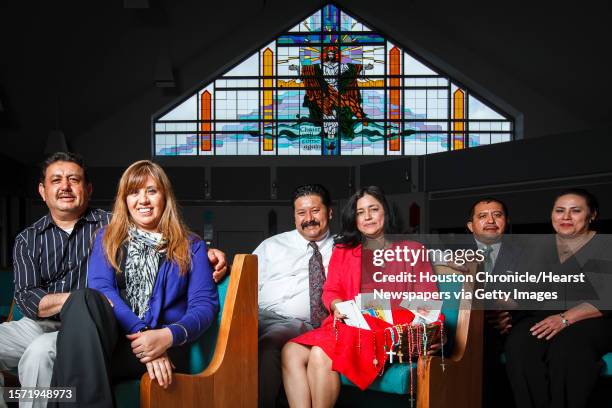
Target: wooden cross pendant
[{"x": 400, "y": 355}]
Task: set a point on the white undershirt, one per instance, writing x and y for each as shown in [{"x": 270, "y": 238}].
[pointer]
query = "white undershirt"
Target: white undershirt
[{"x": 68, "y": 230}]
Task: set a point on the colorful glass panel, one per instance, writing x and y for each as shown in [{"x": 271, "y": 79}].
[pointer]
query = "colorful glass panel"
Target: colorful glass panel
[
  {"x": 458, "y": 117},
  {"x": 329, "y": 85},
  {"x": 206, "y": 124}
]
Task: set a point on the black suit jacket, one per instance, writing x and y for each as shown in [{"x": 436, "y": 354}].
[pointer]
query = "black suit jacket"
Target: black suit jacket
[
  {"x": 508, "y": 257},
  {"x": 508, "y": 261}
]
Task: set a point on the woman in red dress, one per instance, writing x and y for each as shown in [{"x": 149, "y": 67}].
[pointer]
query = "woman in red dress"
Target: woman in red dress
[{"x": 312, "y": 361}]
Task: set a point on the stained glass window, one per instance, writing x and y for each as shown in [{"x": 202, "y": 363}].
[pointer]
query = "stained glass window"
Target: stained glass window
[{"x": 330, "y": 86}]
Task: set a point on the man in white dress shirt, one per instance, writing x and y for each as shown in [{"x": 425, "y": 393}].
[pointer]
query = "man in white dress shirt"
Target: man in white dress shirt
[{"x": 285, "y": 280}]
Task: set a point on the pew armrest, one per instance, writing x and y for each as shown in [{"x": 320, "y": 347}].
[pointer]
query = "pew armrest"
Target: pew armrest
[
  {"x": 230, "y": 380},
  {"x": 459, "y": 382}
]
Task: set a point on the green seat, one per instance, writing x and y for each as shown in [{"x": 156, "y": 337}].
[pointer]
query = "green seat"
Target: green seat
[
  {"x": 16, "y": 313},
  {"x": 6, "y": 292},
  {"x": 127, "y": 393},
  {"x": 4, "y": 311},
  {"x": 396, "y": 379},
  {"x": 8, "y": 307},
  {"x": 607, "y": 368}
]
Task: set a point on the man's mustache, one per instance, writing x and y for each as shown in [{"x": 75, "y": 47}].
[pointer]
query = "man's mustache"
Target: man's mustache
[{"x": 313, "y": 223}]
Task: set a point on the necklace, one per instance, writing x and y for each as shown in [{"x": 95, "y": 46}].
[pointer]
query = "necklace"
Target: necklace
[
  {"x": 376, "y": 243},
  {"x": 567, "y": 247}
]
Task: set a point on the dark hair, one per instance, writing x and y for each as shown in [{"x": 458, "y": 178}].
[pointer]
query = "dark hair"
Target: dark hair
[
  {"x": 487, "y": 200},
  {"x": 350, "y": 235},
  {"x": 311, "y": 189},
  {"x": 591, "y": 201},
  {"x": 62, "y": 156}
]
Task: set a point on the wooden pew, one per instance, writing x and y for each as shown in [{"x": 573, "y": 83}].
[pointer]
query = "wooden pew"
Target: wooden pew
[
  {"x": 459, "y": 384},
  {"x": 230, "y": 380}
]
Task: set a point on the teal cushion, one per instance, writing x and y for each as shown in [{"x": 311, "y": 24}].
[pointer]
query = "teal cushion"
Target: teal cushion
[
  {"x": 202, "y": 351},
  {"x": 4, "y": 310},
  {"x": 127, "y": 394},
  {"x": 17, "y": 313},
  {"x": 395, "y": 380},
  {"x": 7, "y": 287},
  {"x": 6, "y": 292},
  {"x": 450, "y": 309},
  {"x": 607, "y": 369}
]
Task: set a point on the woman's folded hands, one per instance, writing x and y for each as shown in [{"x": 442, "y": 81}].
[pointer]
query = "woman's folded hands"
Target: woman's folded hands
[{"x": 151, "y": 344}]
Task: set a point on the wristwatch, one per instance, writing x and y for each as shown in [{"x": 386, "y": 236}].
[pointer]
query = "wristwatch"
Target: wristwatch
[{"x": 564, "y": 321}]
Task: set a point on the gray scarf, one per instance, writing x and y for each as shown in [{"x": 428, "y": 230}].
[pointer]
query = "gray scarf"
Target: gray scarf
[{"x": 141, "y": 266}]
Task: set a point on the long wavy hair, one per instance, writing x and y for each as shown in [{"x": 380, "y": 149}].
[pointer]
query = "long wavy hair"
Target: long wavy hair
[
  {"x": 171, "y": 225},
  {"x": 350, "y": 236}
]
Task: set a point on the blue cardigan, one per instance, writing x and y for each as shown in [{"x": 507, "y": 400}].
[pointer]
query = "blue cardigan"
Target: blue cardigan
[{"x": 184, "y": 304}]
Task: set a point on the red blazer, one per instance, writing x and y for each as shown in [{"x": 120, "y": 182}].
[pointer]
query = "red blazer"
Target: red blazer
[{"x": 344, "y": 275}]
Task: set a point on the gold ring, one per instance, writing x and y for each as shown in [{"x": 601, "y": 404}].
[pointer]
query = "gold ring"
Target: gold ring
[{"x": 141, "y": 354}]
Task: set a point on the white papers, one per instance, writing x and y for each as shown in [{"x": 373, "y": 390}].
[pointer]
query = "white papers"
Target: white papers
[
  {"x": 353, "y": 315},
  {"x": 425, "y": 311},
  {"x": 358, "y": 300}
]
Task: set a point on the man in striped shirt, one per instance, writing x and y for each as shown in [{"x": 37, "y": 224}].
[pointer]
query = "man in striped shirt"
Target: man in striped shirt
[{"x": 50, "y": 261}]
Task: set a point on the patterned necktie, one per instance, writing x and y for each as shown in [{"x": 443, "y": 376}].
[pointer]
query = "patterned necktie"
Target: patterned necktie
[{"x": 316, "y": 279}]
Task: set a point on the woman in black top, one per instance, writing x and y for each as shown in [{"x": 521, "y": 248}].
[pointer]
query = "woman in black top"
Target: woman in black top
[{"x": 554, "y": 356}]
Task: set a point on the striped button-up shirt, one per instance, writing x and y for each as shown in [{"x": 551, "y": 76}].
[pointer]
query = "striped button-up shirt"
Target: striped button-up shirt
[{"x": 48, "y": 260}]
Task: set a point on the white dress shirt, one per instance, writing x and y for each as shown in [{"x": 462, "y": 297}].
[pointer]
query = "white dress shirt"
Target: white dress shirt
[{"x": 283, "y": 272}]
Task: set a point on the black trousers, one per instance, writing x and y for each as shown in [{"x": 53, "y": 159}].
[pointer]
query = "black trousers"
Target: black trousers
[
  {"x": 557, "y": 373},
  {"x": 274, "y": 332},
  {"x": 494, "y": 379},
  {"x": 93, "y": 352}
]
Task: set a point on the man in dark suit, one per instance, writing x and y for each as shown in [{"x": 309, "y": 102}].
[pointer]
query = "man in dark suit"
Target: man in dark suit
[{"x": 487, "y": 223}]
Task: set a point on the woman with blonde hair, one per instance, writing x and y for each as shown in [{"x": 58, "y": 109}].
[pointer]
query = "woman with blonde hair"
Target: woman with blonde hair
[{"x": 150, "y": 293}]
